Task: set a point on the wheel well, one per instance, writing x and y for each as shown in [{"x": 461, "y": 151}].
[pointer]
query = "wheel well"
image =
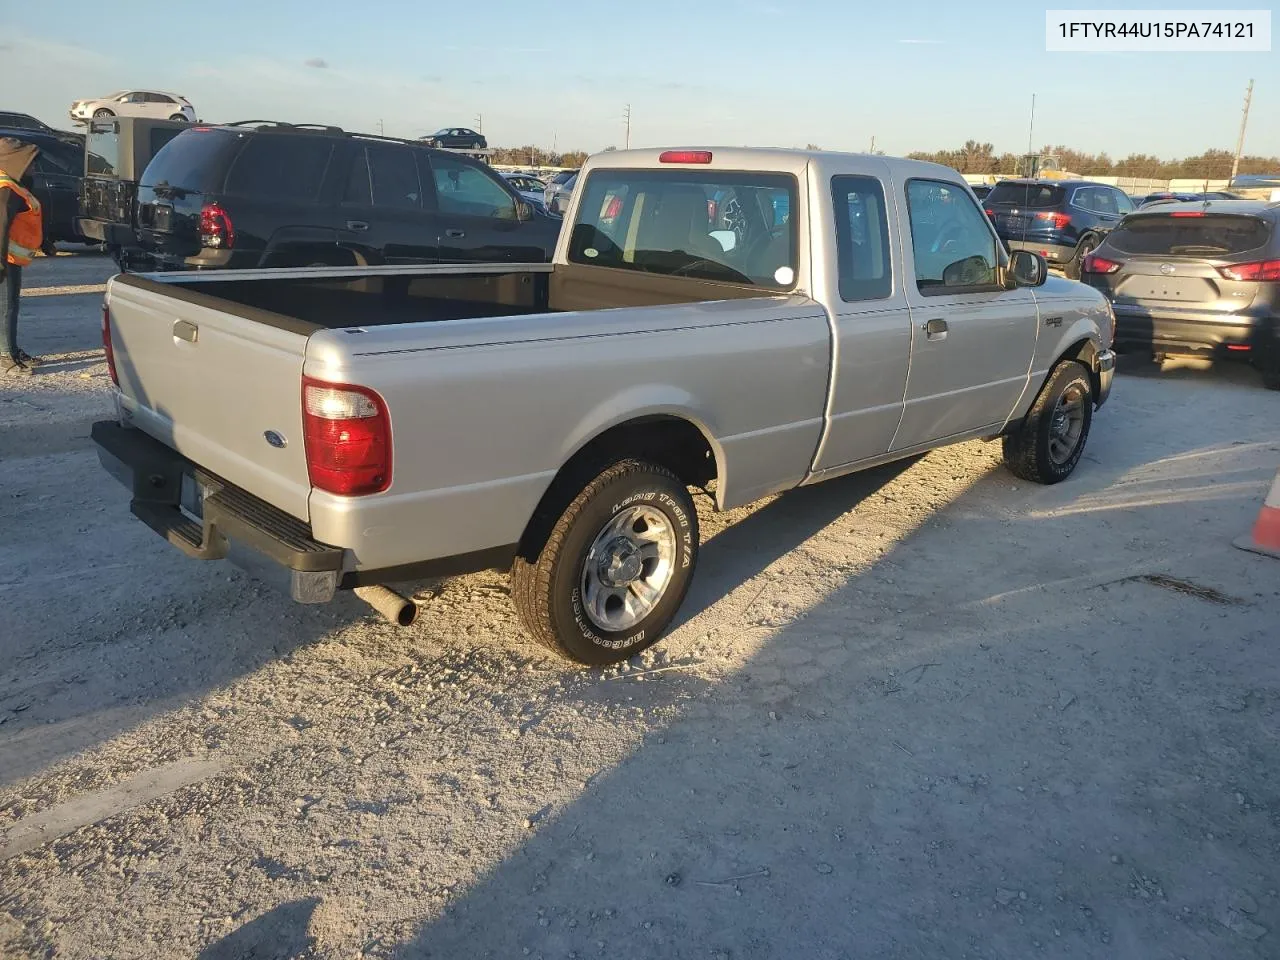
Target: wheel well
[
  {"x": 670, "y": 441},
  {"x": 1085, "y": 351}
]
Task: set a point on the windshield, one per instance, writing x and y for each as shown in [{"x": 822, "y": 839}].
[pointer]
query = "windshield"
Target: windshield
[
  {"x": 729, "y": 226},
  {"x": 1031, "y": 196},
  {"x": 1189, "y": 236},
  {"x": 20, "y": 121}
]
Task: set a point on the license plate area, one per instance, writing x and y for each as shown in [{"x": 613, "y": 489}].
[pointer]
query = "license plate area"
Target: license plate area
[
  {"x": 191, "y": 498},
  {"x": 161, "y": 217}
]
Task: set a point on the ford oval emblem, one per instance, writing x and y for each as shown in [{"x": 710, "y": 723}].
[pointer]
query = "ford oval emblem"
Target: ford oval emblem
[
  {"x": 275, "y": 439},
  {"x": 1167, "y": 268}
]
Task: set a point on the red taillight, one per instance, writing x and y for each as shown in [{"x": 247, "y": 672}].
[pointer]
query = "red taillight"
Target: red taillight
[
  {"x": 347, "y": 435},
  {"x": 1259, "y": 270},
  {"x": 1060, "y": 220},
  {"x": 1186, "y": 213},
  {"x": 106, "y": 344},
  {"x": 1096, "y": 264},
  {"x": 1238, "y": 347},
  {"x": 215, "y": 227},
  {"x": 685, "y": 156},
  {"x": 991, "y": 213}
]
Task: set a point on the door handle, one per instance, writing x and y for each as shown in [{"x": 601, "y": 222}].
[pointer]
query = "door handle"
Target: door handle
[
  {"x": 455, "y": 233},
  {"x": 185, "y": 330},
  {"x": 358, "y": 225},
  {"x": 936, "y": 329}
]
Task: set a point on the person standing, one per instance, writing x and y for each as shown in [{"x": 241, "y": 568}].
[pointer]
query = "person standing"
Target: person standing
[{"x": 21, "y": 235}]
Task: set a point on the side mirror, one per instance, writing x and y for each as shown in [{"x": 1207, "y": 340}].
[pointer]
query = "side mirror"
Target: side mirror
[
  {"x": 524, "y": 211},
  {"x": 1025, "y": 269}
]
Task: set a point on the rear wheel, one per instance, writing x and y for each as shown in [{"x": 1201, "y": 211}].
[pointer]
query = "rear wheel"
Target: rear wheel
[
  {"x": 178, "y": 118},
  {"x": 614, "y": 568},
  {"x": 1074, "y": 266},
  {"x": 103, "y": 112},
  {"x": 1049, "y": 441}
]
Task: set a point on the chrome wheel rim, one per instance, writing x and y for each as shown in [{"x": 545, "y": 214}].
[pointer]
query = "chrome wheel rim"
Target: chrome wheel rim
[
  {"x": 1066, "y": 424},
  {"x": 628, "y": 568}
]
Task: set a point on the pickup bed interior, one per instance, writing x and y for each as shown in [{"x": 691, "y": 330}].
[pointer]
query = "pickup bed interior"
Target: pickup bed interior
[{"x": 305, "y": 304}]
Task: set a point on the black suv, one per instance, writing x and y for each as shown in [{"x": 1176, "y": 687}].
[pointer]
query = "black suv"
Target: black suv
[
  {"x": 1062, "y": 220},
  {"x": 55, "y": 181},
  {"x": 257, "y": 194}
]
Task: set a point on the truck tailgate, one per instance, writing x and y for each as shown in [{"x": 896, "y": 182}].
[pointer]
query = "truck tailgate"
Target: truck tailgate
[{"x": 222, "y": 388}]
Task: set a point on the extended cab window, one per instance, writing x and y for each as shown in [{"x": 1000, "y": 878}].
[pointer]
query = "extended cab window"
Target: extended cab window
[
  {"x": 713, "y": 225},
  {"x": 862, "y": 238},
  {"x": 464, "y": 189},
  {"x": 280, "y": 168},
  {"x": 954, "y": 249}
]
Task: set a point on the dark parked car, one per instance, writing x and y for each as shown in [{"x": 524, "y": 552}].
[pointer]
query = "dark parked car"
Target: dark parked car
[
  {"x": 55, "y": 180},
  {"x": 1062, "y": 220},
  {"x": 266, "y": 194},
  {"x": 456, "y": 138},
  {"x": 12, "y": 120},
  {"x": 1186, "y": 197},
  {"x": 1196, "y": 278}
]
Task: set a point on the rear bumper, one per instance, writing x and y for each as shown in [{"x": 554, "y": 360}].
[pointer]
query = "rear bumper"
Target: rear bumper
[
  {"x": 1179, "y": 332},
  {"x": 115, "y": 234},
  {"x": 233, "y": 524},
  {"x": 1053, "y": 252}
]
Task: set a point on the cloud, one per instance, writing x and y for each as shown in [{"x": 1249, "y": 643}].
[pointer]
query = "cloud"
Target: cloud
[
  {"x": 320, "y": 63},
  {"x": 924, "y": 42}
]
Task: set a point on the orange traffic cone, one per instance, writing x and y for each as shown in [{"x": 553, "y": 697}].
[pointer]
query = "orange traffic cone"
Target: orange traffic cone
[{"x": 1265, "y": 538}]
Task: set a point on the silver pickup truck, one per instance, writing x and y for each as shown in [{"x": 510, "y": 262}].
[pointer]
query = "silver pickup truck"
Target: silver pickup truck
[{"x": 744, "y": 321}]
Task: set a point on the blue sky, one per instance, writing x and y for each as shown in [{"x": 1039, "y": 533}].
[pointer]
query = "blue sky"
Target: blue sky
[{"x": 761, "y": 72}]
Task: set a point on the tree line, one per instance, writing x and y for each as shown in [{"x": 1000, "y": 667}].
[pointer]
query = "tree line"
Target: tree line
[{"x": 975, "y": 157}]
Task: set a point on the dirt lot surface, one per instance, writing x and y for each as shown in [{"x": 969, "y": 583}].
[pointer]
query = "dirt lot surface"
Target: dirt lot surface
[{"x": 927, "y": 711}]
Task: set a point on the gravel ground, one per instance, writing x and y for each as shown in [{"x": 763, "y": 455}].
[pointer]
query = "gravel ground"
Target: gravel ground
[{"x": 926, "y": 711}]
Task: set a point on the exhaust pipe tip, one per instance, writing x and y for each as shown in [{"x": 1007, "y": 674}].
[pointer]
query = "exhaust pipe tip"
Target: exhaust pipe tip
[{"x": 395, "y": 607}]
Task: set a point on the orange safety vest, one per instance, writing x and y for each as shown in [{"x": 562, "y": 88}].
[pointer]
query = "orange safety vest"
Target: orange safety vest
[{"x": 26, "y": 232}]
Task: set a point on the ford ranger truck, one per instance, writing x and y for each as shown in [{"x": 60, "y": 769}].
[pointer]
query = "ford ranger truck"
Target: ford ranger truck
[{"x": 744, "y": 321}]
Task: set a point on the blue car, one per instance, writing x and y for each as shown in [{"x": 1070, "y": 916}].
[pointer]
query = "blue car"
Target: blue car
[{"x": 1062, "y": 220}]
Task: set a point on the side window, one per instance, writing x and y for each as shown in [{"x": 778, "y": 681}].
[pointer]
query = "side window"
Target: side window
[
  {"x": 1084, "y": 198},
  {"x": 954, "y": 249},
  {"x": 393, "y": 178},
  {"x": 1105, "y": 201},
  {"x": 281, "y": 168},
  {"x": 134, "y": 98},
  {"x": 862, "y": 238},
  {"x": 1123, "y": 203},
  {"x": 462, "y": 188},
  {"x": 358, "y": 189}
]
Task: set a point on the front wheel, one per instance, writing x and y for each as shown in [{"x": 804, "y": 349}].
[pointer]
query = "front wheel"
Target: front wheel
[
  {"x": 608, "y": 578},
  {"x": 179, "y": 118},
  {"x": 1049, "y": 441},
  {"x": 102, "y": 112}
]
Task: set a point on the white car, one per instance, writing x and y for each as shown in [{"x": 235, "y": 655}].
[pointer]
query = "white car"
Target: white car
[
  {"x": 135, "y": 103},
  {"x": 529, "y": 187}
]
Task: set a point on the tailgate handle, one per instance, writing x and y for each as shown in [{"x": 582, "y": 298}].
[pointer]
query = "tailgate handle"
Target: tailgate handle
[
  {"x": 357, "y": 225},
  {"x": 185, "y": 330},
  {"x": 455, "y": 234}
]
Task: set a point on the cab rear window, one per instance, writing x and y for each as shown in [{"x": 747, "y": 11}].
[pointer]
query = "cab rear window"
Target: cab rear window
[
  {"x": 1029, "y": 196},
  {"x": 730, "y": 226},
  {"x": 1211, "y": 235}
]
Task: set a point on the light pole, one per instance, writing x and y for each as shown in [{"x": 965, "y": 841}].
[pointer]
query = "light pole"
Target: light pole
[{"x": 1244, "y": 121}]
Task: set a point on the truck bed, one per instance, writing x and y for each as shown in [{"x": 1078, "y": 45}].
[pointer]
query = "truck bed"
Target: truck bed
[{"x": 330, "y": 298}]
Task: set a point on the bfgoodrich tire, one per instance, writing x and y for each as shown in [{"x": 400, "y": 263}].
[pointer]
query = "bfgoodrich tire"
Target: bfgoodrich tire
[
  {"x": 1049, "y": 441},
  {"x": 615, "y": 566}
]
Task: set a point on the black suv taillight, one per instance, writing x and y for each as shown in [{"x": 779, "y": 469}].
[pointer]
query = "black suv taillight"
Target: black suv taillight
[{"x": 215, "y": 227}]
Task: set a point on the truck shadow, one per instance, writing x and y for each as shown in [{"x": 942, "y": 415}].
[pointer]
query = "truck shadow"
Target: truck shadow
[{"x": 933, "y": 759}]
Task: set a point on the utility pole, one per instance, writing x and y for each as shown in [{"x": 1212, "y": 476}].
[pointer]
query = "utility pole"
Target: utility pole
[
  {"x": 479, "y": 123},
  {"x": 1244, "y": 120},
  {"x": 626, "y": 117},
  {"x": 873, "y": 143},
  {"x": 380, "y": 127}
]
